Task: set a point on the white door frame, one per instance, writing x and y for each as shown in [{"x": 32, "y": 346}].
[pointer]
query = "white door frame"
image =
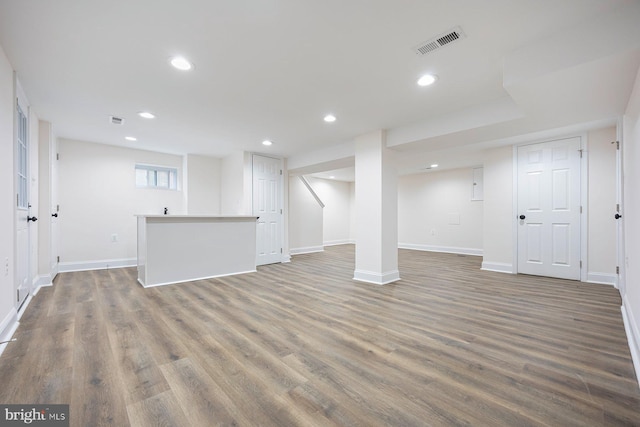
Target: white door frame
[
  {"x": 584, "y": 201},
  {"x": 620, "y": 253}
]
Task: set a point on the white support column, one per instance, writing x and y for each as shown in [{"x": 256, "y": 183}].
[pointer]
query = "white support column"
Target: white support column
[{"x": 376, "y": 211}]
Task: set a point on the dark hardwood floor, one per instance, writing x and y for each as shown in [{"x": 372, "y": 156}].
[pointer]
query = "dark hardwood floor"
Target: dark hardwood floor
[{"x": 301, "y": 344}]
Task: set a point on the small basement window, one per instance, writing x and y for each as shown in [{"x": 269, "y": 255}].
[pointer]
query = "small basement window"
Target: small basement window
[{"x": 148, "y": 176}]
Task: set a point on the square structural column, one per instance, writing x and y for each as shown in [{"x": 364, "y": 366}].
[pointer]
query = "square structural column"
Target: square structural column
[{"x": 376, "y": 211}]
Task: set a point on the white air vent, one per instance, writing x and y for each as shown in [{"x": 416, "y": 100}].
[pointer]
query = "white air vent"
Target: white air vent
[
  {"x": 116, "y": 120},
  {"x": 439, "y": 41}
]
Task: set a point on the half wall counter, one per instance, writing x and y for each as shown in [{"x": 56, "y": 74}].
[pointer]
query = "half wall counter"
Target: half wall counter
[{"x": 184, "y": 248}]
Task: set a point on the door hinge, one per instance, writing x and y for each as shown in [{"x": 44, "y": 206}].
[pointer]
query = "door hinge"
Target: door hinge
[
  {"x": 280, "y": 211},
  {"x": 617, "y": 269},
  {"x": 18, "y": 296},
  {"x": 280, "y": 171},
  {"x": 58, "y": 258},
  {"x": 580, "y": 264},
  {"x": 57, "y": 208},
  {"x": 580, "y": 209},
  {"x": 617, "y": 144},
  {"x": 280, "y": 250},
  {"x": 618, "y": 207},
  {"x": 580, "y": 150}
]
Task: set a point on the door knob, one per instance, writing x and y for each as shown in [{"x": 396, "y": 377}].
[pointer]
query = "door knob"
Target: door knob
[
  {"x": 31, "y": 218},
  {"x": 618, "y": 216},
  {"x": 55, "y": 214},
  {"x": 522, "y": 217}
]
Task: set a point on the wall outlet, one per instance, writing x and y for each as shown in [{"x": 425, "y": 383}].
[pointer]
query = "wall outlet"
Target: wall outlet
[{"x": 114, "y": 238}]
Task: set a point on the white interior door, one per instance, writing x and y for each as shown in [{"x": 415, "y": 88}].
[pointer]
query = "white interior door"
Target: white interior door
[
  {"x": 55, "y": 208},
  {"x": 549, "y": 209},
  {"x": 267, "y": 205},
  {"x": 23, "y": 218}
]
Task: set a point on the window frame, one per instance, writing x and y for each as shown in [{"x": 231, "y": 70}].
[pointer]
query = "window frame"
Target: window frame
[
  {"x": 152, "y": 177},
  {"x": 22, "y": 163}
]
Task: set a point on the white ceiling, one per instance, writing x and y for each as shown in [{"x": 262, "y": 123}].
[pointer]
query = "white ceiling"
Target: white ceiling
[{"x": 271, "y": 69}]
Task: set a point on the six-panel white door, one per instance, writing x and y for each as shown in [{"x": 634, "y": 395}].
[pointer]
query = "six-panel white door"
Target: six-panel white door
[
  {"x": 267, "y": 189},
  {"x": 549, "y": 209}
]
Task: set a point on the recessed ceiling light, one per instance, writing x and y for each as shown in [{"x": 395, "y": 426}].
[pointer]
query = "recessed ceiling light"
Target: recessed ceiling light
[
  {"x": 181, "y": 63},
  {"x": 146, "y": 115},
  {"x": 267, "y": 142},
  {"x": 427, "y": 79},
  {"x": 130, "y": 138},
  {"x": 435, "y": 165},
  {"x": 332, "y": 177},
  {"x": 329, "y": 118}
]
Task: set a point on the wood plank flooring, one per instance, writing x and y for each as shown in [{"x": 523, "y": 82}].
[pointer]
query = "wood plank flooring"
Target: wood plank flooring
[{"x": 301, "y": 344}]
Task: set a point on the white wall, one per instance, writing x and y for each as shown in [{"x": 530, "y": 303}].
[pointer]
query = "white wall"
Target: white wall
[
  {"x": 98, "y": 199},
  {"x": 203, "y": 185},
  {"x": 352, "y": 212},
  {"x": 235, "y": 184},
  {"x": 435, "y": 212},
  {"x": 336, "y": 215},
  {"x": 498, "y": 210},
  {"x": 305, "y": 219},
  {"x": 631, "y": 217},
  {"x": 45, "y": 208},
  {"x": 602, "y": 201},
  {"x": 7, "y": 227}
]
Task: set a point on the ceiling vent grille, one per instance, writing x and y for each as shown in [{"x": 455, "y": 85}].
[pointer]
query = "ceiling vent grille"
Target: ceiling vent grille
[
  {"x": 439, "y": 41},
  {"x": 116, "y": 120}
]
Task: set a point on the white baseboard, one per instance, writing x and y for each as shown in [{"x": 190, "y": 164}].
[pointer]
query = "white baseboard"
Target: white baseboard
[
  {"x": 194, "y": 279},
  {"x": 8, "y": 327},
  {"x": 306, "y": 250},
  {"x": 376, "y": 278},
  {"x": 602, "y": 278},
  {"x": 337, "y": 242},
  {"x": 498, "y": 267},
  {"x": 65, "y": 267},
  {"x": 25, "y": 304},
  {"x": 445, "y": 249},
  {"x": 632, "y": 330},
  {"x": 41, "y": 281}
]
